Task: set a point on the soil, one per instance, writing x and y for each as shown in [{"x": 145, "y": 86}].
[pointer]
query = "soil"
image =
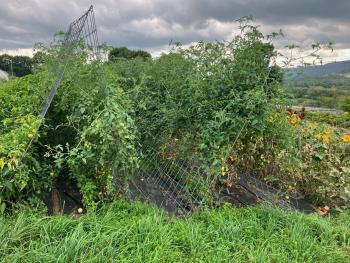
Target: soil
[
  {"x": 65, "y": 198},
  {"x": 246, "y": 190},
  {"x": 152, "y": 188}
]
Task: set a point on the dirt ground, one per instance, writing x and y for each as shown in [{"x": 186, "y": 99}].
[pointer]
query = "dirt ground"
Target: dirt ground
[{"x": 152, "y": 188}]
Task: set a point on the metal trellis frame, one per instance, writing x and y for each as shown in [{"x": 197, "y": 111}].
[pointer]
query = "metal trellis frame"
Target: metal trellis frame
[{"x": 82, "y": 28}]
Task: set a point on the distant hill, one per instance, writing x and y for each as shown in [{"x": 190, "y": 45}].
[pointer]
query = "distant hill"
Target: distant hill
[
  {"x": 321, "y": 70},
  {"x": 326, "y": 86}
]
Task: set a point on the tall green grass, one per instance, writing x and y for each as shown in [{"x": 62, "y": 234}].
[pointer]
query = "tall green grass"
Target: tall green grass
[{"x": 124, "y": 232}]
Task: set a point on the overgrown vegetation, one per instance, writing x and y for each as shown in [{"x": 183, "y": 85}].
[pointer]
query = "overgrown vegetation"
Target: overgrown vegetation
[
  {"x": 124, "y": 232},
  {"x": 206, "y": 98},
  {"x": 87, "y": 126},
  {"x": 325, "y": 173},
  {"x": 220, "y": 104}
]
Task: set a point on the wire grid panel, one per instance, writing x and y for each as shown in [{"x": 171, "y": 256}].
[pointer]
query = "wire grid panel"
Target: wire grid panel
[
  {"x": 82, "y": 29},
  {"x": 171, "y": 183}
]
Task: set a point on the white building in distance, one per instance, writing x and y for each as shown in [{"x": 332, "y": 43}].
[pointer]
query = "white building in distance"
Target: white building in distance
[{"x": 4, "y": 76}]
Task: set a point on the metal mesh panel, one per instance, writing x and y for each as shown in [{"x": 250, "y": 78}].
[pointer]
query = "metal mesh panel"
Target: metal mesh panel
[
  {"x": 84, "y": 29},
  {"x": 171, "y": 183},
  {"x": 180, "y": 186}
]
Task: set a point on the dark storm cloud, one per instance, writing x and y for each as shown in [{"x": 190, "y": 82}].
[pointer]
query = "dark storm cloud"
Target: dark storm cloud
[
  {"x": 151, "y": 24},
  {"x": 279, "y": 11}
]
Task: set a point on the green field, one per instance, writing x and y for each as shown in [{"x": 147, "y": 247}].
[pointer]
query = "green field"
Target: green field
[{"x": 328, "y": 91}]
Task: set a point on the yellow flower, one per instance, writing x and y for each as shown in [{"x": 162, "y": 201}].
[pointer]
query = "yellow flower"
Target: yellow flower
[
  {"x": 318, "y": 136},
  {"x": 312, "y": 126},
  {"x": 325, "y": 138},
  {"x": 293, "y": 121},
  {"x": 328, "y": 132},
  {"x": 346, "y": 138}
]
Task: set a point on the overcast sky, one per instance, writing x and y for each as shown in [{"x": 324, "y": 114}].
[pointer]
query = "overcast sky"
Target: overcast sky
[{"x": 152, "y": 24}]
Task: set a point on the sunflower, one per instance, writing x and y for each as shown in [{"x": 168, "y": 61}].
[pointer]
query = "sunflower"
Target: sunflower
[
  {"x": 346, "y": 138},
  {"x": 293, "y": 119}
]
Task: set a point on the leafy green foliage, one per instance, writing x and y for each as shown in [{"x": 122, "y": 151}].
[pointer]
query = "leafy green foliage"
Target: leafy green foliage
[
  {"x": 208, "y": 96},
  {"x": 346, "y": 105},
  {"x": 104, "y": 148},
  {"x": 20, "y": 99},
  {"x": 272, "y": 155},
  {"x": 88, "y": 132},
  {"x": 97, "y": 143},
  {"x": 326, "y": 163}
]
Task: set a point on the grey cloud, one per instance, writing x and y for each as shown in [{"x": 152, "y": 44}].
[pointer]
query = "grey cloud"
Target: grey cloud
[{"x": 151, "y": 24}]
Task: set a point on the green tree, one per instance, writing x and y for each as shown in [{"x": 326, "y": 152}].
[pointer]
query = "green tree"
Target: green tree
[
  {"x": 346, "y": 105},
  {"x": 18, "y": 65},
  {"x": 124, "y": 52}
]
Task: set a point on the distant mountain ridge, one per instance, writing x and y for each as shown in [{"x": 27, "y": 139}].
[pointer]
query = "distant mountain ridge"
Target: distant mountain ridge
[{"x": 320, "y": 70}]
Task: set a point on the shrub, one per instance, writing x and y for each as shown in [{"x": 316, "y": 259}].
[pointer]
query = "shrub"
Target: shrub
[
  {"x": 208, "y": 96},
  {"x": 326, "y": 160},
  {"x": 87, "y": 132},
  {"x": 20, "y": 172}
]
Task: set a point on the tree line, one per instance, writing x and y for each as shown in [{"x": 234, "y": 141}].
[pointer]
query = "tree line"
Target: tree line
[{"x": 20, "y": 66}]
